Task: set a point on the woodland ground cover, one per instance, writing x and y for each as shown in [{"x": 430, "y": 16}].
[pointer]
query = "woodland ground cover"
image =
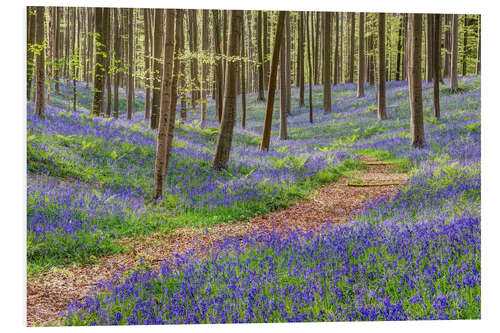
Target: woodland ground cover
[{"x": 415, "y": 257}]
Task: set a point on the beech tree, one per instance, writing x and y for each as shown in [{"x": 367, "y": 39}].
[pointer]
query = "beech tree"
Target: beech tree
[
  {"x": 157, "y": 67},
  {"x": 260, "y": 56},
  {"x": 99, "y": 72},
  {"x": 436, "y": 54},
  {"x": 382, "y": 113},
  {"x": 327, "y": 31},
  {"x": 225, "y": 137},
  {"x": 116, "y": 61},
  {"x": 40, "y": 62},
  {"x": 361, "y": 56},
  {"x": 415, "y": 80},
  {"x": 454, "y": 53}
]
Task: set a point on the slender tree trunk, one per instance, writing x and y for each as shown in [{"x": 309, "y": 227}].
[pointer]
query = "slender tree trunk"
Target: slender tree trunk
[
  {"x": 361, "y": 56},
  {"x": 30, "y": 55},
  {"x": 266, "y": 133},
  {"x": 405, "y": 48},
  {"x": 283, "y": 134},
  {"x": 327, "y": 31},
  {"x": 464, "y": 53},
  {"x": 117, "y": 62},
  {"x": 260, "y": 56},
  {"x": 107, "y": 38},
  {"x": 351, "y": 49},
  {"x": 265, "y": 49},
  {"x": 157, "y": 67},
  {"x": 436, "y": 49},
  {"x": 166, "y": 95},
  {"x": 382, "y": 113},
  {"x": 310, "y": 65},
  {"x": 300, "y": 56},
  {"x": 131, "y": 89},
  {"x": 287, "y": 35},
  {"x": 195, "y": 84},
  {"x": 243, "y": 79},
  {"x": 147, "y": 62},
  {"x": 173, "y": 86},
  {"x": 398, "y": 58},
  {"x": 40, "y": 62},
  {"x": 99, "y": 72},
  {"x": 428, "y": 53},
  {"x": 415, "y": 79},
  {"x": 224, "y": 140},
  {"x": 204, "y": 70},
  {"x": 316, "y": 48},
  {"x": 336, "y": 55},
  {"x": 182, "y": 77},
  {"x": 447, "y": 46},
  {"x": 454, "y": 54},
  {"x": 218, "y": 66},
  {"x": 478, "y": 59}
]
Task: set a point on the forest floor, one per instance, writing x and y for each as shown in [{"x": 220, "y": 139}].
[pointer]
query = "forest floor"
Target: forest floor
[{"x": 50, "y": 292}]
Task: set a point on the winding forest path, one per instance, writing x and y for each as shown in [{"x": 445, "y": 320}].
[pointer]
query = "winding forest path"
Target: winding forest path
[{"x": 49, "y": 293}]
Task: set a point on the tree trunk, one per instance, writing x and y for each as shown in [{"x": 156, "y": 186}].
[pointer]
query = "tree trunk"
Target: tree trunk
[
  {"x": 464, "y": 53},
  {"x": 310, "y": 65},
  {"x": 404, "y": 71},
  {"x": 260, "y": 59},
  {"x": 193, "y": 39},
  {"x": 204, "y": 69},
  {"x": 116, "y": 61},
  {"x": 157, "y": 68},
  {"x": 40, "y": 62},
  {"x": 454, "y": 54},
  {"x": 131, "y": 89},
  {"x": 182, "y": 77},
  {"x": 382, "y": 113},
  {"x": 447, "y": 45},
  {"x": 415, "y": 79},
  {"x": 166, "y": 95},
  {"x": 283, "y": 134},
  {"x": 361, "y": 56},
  {"x": 218, "y": 66},
  {"x": 478, "y": 59},
  {"x": 428, "y": 53},
  {"x": 224, "y": 140},
  {"x": 327, "y": 31},
  {"x": 99, "y": 73},
  {"x": 30, "y": 55},
  {"x": 265, "y": 49},
  {"x": 243, "y": 79},
  {"x": 300, "y": 58},
  {"x": 107, "y": 46},
  {"x": 351, "y": 49},
  {"x": 436, "y": 49},
  {"x": 147, "y": 62},
  {"x": 398, "y": 58},
  {"x": 336, "y": 55},
  {"x": 266, "y": 133}
]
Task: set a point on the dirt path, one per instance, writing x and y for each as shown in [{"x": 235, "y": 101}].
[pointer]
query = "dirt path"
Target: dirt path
[{"x": 49, "y": 293}]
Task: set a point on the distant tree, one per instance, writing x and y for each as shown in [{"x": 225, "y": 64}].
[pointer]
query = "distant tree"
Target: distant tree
[
  {"x": 309, "y": 61},
  {"x": 336, "y": 54},
  {"x": 147, "y": 63},
  {"x": 225, "y": 137},
  {"x": 361, "y": 56},
  {"x": 429, "y": 37},
  {"x": 283, "y": 134},
  {"x": 157, "y": 67},
  {"x": 260, "y": 55},
  {"x": 130, "y": 77},
  {"x": 266, "y": 133},
  {"x": 454, "y": 53},
  {"x": 478, "y": 59},
  {"x": 300, "y": 58},
  {"x": 107, "y": 62},
  {"x": 40, "y": 62},
  {"x": 99, "y": 73},
  {"x": 243, "y": 79},
  {"x": 204, "y": 69},
  {"x": 436, "y": 55},
  {"x": 350, "y": 64},
  {"x": 464, "y": 52},
  {"x": 327, "y": 32},
  {"x": 447, "y": 45},
  {"x": 382, "y": 113},
  {"x": 265, "y": 49},
  {"x": 399, "y": 48},
  {"x": 166, "y": 92},
  {"x": 193, "y": 44},
  {"x": 415, "y": 79},
  {"x": 218, "y": 65}
]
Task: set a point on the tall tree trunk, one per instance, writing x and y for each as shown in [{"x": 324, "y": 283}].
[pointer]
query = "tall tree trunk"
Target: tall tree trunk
[
  {"x": 243, "y": 79},
  {"x": 265, "y": 49},
  {"x": 300, "y": 58},
  {"x": 131, "y": 88},
  {"x": 405, "y": 48},
  {"x": 117, "y": 62},
  {"x": 327, "y": 31},
  {"x": 147, "y": 62},
  {"x": 40, "y": 62},
  {"x": 283, "y": 134},
  {"x": 224, "y": 140},
  {"x": 398, "y": 58},
  {"x": 415, "y": 79},
  {"x": 436, "y": 49},
  {"x": 166, "y": 95},
  {"x": 182, "y": 77},
  {"x": 218, "y": 66},
  {"x": 173, "y": 86},
  {"x": 351, "y": 48},
  {"x": 288, "y": 41},
  {"x": 107, "y": 38},
  {"x": 204, "y": 69},
  {"x": 454, "y": 54},
  {"x": 361, "y": 56},
  {"x": 336, "y": 55},
  {"x": 266, "y": 133},
  {"x": 99, "y": 72},
  {"x": 447, "y": 45},
  {"x": 382, "y": 113},
  {"x": 478, "y": 59},
  {"x": 429, "y": 43},
  {"x": 193, "y": 39},
  {"x": 310, "y": 65},
  {"x": 30, "y": 55},
  {"x": 260, "y": 59},
  {"x": 464, "y": 53},
  {"x": 316, "y": 48},
  {"x": 157, "y": 67}
]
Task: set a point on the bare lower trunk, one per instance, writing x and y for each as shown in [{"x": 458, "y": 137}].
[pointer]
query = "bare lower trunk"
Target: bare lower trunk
[
  {"x": 361, "y": 56},
  {"x": 382, "y": 113},
  {"x": 40, "y": 63},
  {"x": 415, "y": 79}
]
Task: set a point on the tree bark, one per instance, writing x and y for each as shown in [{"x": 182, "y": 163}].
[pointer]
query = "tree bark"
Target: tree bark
[
  {"x": 107, "y": 45},
  {"x": 157, "y": 68},
  {"x": 436, "y": 50},
  {"x": 310, "y": 66},
  {"x": 300, "y": 58},
  {"x": 243, "y": 79},
  {"x": 30, "y": 55},
  {"x": 218, "y": 66},
  {"x": 382, "y": 113},
  {"x": 361, "y": 56},
  {"x": 478, "y": 59},
  {"x": 116, "y": 62},
  {"x": 336, "y": 55},
  {"x": 415, "y": 80},
  {"x": 40, "y": 62},
  {"x": 351, "y": 48},
  {"x": 193, "y": 39},
  {"x": 266, "y": 133},
  {"x": 260, "y": 59},
  {"x": 398, "y": 58},
  {"x": 454, "y": 54},
  {"x": 99, "y": 72},
  {"x": 147, "y": 63},
  {"x": 225, "y": 137},
  {"x": 204, "y": 69},
  {"x": 429, "y": 43},
  {"x": 327, "y": 31},
  {"x": 131, "y": 88},
  {"x": 283, "y": 134},
  {"x": 464, "y": 53},
  {"x": 166, "y": 95}
]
